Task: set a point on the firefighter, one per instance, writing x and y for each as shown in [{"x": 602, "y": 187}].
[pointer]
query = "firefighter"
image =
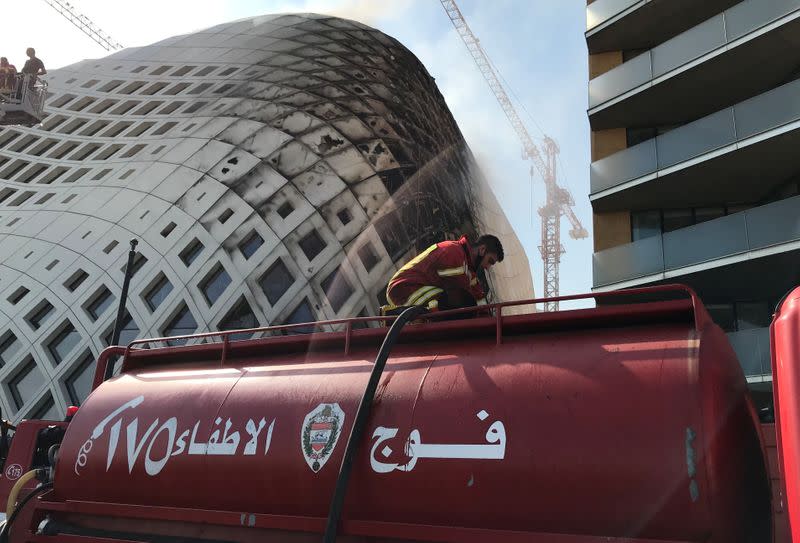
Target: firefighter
[{"x": 444, "y": 276}]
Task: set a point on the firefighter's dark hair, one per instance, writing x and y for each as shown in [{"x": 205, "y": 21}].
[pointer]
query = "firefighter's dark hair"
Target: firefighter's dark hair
[{"x": 492, "y": 245}]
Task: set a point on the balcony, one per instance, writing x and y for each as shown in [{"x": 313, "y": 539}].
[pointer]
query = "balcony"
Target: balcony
[
  {"x": 615, "y": 25},
  {"x": 771, "y": 229},
  {"x": 752, "y": 350},
  {"x": 714, "y": 159},
  {"x": 743, "y": 50}
]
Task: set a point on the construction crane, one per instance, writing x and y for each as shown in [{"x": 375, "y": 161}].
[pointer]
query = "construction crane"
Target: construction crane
[
  {"x": 84, "y": 24},
  {"x": 559, "y": 201}
]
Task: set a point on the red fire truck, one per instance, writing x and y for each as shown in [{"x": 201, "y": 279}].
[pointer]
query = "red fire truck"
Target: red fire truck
[{"x": 626, "y": 422}]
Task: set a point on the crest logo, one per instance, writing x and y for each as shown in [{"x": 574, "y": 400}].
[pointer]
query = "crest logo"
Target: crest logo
[
  {"x": 320, "y": 433},
  {"x": 14, "y": 472}
]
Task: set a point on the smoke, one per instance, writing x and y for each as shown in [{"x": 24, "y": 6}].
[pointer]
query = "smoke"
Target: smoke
[{"x": 364, "y": 11}]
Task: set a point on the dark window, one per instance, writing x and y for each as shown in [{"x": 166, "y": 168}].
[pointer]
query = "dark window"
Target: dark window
[
  {"x": 312, "y": 244},
  {"x": 128, "y": 332},
  {"x": 76, "y": 280},
  {"x": 675, "y": 219},
  {"x": 164, "y": 128},
  {"x": 337, "y": 289},
  {"x": 215, "y": 284},
  {"x": 702, "y": 214},
  {"x": 111, "y": 85},
  {"x": 117, "y": 129},
  {"x": 276, "y": 281},
  {"x": 201, "y": 88},
  {"x": 9, "y": 346},
  {"x": 40, "y": 314},
  {"x": 249, "y": 245},
  {"x": 101, "y": 301},
  {"x": 158, "y": 292},
  {"x": 77, "y": 174},
  {"x": 160, "y": 70},
  {"x": 125, "y": 107},
  {"x": 285, "y": 210},
  {"x": 229, "y": 71},
  {"x": 183, "y": 70},
  {"x": 25, "y": 383},
  {"x": 345, "y": 216},
  {"x": 302, "y": 313},
  {"x": 238, "y": 318},
  {"x": 225, "y": 215},
  {"x": 110, "y": 247},
  {"x": 204, "y": 71},
  {"x": 139, "y": 260},
  {"x": 393, "y": 235},
  {"x": 170, "y": 107},
  {"x": 752, "y": 315},
  {"x": 191, "y": 252},
  {"x": 181, "y": 324},
  {"x": 195, "y": 107},
  {"x": 168, "y": 229},
  {"x": 61, "y": 345},
  {"x": 18, "y": 295},
  {"x": 361, "y": 324},
  {"x": 368, "y": 256},
  {"x": 46, "y": 410},
  {"x": 135, "y": 150},
  {"x": 723, "y": 315},
  {"x": 79, "y": 381},
  {"x": 645, "y": 224}
]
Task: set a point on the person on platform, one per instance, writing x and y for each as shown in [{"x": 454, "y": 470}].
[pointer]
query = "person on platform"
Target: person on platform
[
  {"x": 8, "y": 74},
  {"x": 444, "y": 276},
  {"x": 33, "y": 67}
]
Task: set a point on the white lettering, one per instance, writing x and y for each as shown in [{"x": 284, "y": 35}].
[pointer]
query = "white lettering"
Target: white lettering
[
  {"x": 135, "y": 448},
  {"x": 151, "y": 466}
]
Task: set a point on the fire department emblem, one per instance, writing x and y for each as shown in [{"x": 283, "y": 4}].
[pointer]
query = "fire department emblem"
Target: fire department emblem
[{"x": 319, "y": 434}]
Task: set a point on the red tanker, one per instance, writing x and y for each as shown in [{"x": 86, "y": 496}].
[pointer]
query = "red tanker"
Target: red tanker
[{"x": 627, "y": 422}]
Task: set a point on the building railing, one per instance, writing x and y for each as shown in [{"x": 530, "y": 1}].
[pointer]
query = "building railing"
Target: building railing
[
  {"x": 714, "y": 33},
  {"x": 757, "y": 228},
  {"x": 28, "y": 94},
  {"x": 759, "y": 114},
  {"x": 601, "y": 11},
  {"x": 753, "y": 351}
]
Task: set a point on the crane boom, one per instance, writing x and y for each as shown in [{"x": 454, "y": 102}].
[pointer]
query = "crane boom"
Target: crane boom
[
  {"x": 559, "y": 200},
  {"x": 485, "y": 66},
  {"x": 84, "y": 24}
]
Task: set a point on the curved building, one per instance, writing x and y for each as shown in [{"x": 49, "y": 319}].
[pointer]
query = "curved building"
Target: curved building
[{"x": 275, "y": 170}]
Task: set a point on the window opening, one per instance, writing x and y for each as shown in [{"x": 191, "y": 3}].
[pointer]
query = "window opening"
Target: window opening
[
  {"x": 215, "y": 284},
  {"x": 276, "y": 281},
  {"x": 191, "y": 252}
]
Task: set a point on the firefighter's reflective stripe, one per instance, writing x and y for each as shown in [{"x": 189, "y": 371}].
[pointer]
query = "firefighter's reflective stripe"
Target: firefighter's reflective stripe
[
  {"x": 450, "y": 272},
  {"x": 422, "y": 300},
  {"x": 417, "y": 259},
  {"x": 422, "y": 295},
  {"x": 418, "y": 297}
]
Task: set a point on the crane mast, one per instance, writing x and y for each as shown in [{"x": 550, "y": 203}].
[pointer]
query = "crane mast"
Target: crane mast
[
  {"x": 84, "y": 24},
  {"x": 559, "y": 201}
]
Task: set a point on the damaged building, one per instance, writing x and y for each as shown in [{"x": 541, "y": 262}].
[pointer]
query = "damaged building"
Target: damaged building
[{"x": 275, "y": 170}]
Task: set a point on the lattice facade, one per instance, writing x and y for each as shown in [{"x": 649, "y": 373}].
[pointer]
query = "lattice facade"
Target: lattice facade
[{"x": 274, "y": 169}]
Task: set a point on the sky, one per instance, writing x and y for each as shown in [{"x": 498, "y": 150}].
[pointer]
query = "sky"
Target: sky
[{"x": 537, "y": 46}]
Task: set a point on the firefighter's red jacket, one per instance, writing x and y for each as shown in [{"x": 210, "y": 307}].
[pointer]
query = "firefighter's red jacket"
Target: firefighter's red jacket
[{"x": 447, "y": 265}]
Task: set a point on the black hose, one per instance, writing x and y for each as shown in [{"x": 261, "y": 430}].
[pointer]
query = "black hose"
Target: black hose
[
  {"x": 364, "y": 408},
  {"x": 7, "y": 525}
]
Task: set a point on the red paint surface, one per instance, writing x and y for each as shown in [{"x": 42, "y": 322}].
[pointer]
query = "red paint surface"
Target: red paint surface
[
  {"x": 598, "y": 407},
  {"x": 785, "y": 338}
]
